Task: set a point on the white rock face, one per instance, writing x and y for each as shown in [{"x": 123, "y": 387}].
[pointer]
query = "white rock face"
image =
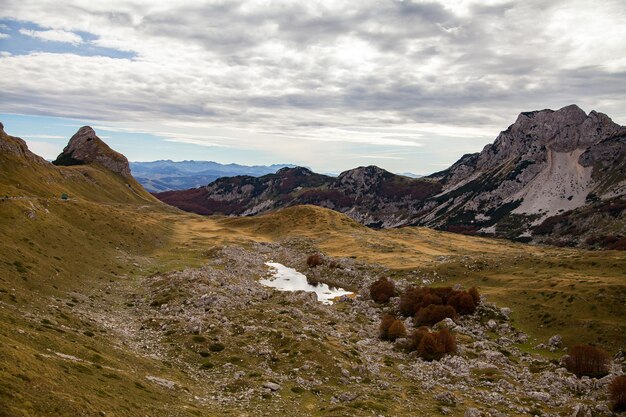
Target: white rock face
[{"x": 563, "y": 184}]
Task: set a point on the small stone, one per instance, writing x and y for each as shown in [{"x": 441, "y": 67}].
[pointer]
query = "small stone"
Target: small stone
[
  {"x": 472, "y": 412},
  {"x": 348, "y": 396},
  {"x": 446, "y": 398},
  {"x": 539, "y": 396},
  {"x": 492, "y": 325},
  {"x": 271, "y": 386},
  {"x": 555, "y": 341}
]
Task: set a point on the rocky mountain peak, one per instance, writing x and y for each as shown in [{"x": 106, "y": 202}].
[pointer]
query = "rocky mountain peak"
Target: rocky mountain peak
[
  {"x": 563, "y": 130},
  {"x": 85, "y": 147},
  {"x": 362, "y": 179},
  {"x": 13, "y": 146},
  {"x": 288, "y": 171}
]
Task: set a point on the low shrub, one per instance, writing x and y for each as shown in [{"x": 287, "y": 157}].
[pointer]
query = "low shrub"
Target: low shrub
[
  {"x": 475, "y": 295},
  {"x": 432, "y": 345},
  {"x": 217, "y": 347},
  {"x": 385, "y": 323},
  {"x": 382, "y": 290},
  {"x": 463, "y": 303},
  {"x": 617, "y": 393},
  {"x": 433, "y": 314},
  {"x": 416, "y": 298},
  {"x": 391, "y": 328},
  {"x": 314, "y": 260},
  {"x": 396, "y": 330},
  {"x": 587, "y": 360}
]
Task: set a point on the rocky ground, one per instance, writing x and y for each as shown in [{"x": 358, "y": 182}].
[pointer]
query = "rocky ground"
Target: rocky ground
[{"x": 233, "y": 346}]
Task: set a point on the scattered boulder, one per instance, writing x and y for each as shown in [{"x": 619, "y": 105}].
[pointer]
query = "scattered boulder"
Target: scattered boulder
[
  {"x": 272, "y": 386},
  {"x": 446, "y": 398},
  {"x": 555, "y": 342},
  {"x": 347, "y": 397},
  {"x": 472, "y": 412}
]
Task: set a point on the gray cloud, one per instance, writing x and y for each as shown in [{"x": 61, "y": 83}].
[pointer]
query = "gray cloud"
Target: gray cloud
[{"x": 311, "y": 68}]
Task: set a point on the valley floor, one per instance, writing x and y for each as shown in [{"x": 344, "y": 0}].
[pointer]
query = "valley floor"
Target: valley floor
[{"x": 164, "y": 315}]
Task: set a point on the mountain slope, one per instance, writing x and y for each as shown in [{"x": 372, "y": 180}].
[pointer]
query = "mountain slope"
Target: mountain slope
[
  {"x": 371, "y": 195},
  {"x": 543, "y": 165}
]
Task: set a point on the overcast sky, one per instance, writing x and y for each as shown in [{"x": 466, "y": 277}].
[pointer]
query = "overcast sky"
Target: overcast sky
[{"x": 406, "y": 85}]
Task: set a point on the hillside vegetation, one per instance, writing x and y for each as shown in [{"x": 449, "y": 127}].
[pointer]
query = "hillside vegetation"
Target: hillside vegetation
[{"x": 112, "y": 302}]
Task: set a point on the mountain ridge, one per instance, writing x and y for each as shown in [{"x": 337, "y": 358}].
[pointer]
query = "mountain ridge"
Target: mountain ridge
[{"x": 544, "y": 164}]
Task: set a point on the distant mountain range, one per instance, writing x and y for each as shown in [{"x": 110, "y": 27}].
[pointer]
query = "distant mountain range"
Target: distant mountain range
[
  {"x": 166, "y": 175},
  {"x": 556, "y": 177}
]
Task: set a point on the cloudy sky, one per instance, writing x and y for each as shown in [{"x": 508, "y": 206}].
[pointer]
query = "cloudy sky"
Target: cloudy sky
[{"x": 406, "y": 85}]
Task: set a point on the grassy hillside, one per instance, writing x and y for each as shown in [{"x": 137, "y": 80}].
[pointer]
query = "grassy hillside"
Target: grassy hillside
[
  {"x": 579, "y": 294},
  {"x": 80, "y": 279}
]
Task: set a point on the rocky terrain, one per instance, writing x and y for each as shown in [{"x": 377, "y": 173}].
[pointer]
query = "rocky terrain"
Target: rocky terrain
[
  {"x": 259, "y": 351},
  {"x": 547, "y": 164}
]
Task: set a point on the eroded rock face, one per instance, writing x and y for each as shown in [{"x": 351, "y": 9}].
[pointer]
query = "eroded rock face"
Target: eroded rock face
[
  {"x": 85, "y": 147},
  {"x": 15, "y": 146}
]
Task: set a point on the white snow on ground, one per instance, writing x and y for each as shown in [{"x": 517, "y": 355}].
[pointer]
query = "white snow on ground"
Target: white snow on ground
[{"x": 562, "y": 185}]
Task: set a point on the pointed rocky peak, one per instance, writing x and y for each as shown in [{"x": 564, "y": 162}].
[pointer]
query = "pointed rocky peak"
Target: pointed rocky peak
[{"x": 85, "y": 147}]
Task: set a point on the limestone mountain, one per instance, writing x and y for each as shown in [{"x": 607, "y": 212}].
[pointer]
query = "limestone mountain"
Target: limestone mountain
[
  {"x": 371, "y": 195},
  {"x": 16, "y": 149},
  {"x": 88, "y": 169},
  {"x": 86, "y": 147},
  {"x": 546, "y": 164}
]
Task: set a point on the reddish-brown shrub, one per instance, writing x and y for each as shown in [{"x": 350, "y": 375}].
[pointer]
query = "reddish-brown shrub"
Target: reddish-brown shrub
[
  {"x": 443, "y": 292},
  {"x": 587, "y": 360},
  {"x": 432, "y": 314},
  {"x": 415, "y": 298},
  {"x": 463, "y": 303},
  {"x": 617, "y": 393},
  {"x": 432, "y": 345},
  {"x": 447, "y": 341},
  {"x": 382, "y": 290},
  {"x": 475, "y": 295},
  {"x": 385, "y": 323},
  {"x": 416, "y": 337},
  {"x": 396, "y": 330},
  {"x": 314, "y": 260},
  {"x": 429, "y": 347},
  {"x": 409, "y": 301}
]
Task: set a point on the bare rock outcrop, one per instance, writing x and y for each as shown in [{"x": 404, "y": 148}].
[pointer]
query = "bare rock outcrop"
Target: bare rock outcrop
[
  {"x": 11, "y": 145},
  {"x": 85, "y": 147}
]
